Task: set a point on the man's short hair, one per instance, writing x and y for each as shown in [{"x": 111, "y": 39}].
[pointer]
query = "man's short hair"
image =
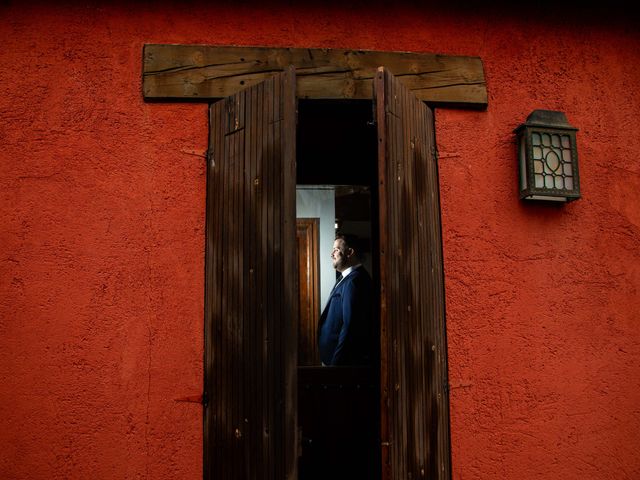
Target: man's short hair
[{"x": 353, "y": 241}]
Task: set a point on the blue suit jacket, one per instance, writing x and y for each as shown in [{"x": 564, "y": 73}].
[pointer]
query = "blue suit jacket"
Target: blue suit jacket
[{"x": 346, "y": 329}]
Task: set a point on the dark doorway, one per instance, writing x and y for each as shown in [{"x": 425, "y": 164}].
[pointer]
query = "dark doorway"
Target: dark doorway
[
  {"x": 339, "y": 407},
  {"x": 336, "y": 143}
]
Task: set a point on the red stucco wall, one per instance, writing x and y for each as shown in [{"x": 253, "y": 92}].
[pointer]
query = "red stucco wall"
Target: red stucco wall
[{"x": 101, "y": 235}]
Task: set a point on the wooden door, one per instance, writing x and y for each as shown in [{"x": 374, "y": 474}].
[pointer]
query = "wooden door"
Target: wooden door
[
  {"x": 414, "y": 403},
  {"x": 308, "y": 237},
  {"x": 251, "y": 294}
]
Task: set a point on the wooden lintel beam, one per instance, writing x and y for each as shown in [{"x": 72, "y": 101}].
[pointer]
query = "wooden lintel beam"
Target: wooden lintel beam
[{"x": 203, "y": 73}]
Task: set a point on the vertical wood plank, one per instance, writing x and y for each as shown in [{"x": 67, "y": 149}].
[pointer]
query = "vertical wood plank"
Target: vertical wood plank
[
  {"x": 415, "y": 410},
  {"x": 250, "y": 258},
  {"x": 250, "y": 285},
  {"x": 380, "y": 101},
  {"x": 290, "y": 281}
]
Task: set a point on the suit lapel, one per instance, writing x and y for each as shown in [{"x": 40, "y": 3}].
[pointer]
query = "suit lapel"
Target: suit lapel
[{"x": 338, "y": 285}]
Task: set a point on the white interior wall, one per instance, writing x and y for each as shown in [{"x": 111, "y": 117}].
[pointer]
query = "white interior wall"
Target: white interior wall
[{"x": 319, "y": 202}]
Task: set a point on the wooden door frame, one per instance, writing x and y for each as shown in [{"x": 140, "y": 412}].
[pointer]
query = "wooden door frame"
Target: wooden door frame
[
  {"x": 193, "y": 73},
  {"x": 202, "y": 73}
]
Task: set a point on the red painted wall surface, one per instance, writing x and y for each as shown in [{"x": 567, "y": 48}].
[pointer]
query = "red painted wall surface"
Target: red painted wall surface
[{"x": 102, "y": 237}]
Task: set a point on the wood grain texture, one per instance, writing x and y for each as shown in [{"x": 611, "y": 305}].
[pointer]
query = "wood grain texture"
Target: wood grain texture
[
  {"x": 415, "y": 406},
  {"x": 308, "y": 237},
  {"x": 251, "y": 285},
  {"x": 202, "y": 72}
]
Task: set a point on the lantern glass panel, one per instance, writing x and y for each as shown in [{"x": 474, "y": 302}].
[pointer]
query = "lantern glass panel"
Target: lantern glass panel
[
  {"x": 552, "y": 160},
  {"x": 568, "y": 182},
  {"x": 548, "y": 181},
  {"x": 537, "y": 153},
  {"x": 538, "y": 166},
  {"x": 559, "y": 182},
  {"x": 535, "y": 139}
]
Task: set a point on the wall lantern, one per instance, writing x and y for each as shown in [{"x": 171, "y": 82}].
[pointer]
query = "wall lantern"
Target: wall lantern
[{"x": 548, "y": 158}]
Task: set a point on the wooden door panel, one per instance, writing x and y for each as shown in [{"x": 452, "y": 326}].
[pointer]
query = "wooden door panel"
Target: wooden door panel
[
  {"x": 251, "y": 285},
  {"x": 415, "y": 407}
]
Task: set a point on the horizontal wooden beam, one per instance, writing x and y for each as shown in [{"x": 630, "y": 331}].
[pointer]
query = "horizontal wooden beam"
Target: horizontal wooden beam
[{"x": 203, "y": 73}]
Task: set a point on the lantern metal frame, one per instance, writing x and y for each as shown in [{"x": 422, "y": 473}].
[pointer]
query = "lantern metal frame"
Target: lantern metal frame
[{"x": 548, "y": 164}]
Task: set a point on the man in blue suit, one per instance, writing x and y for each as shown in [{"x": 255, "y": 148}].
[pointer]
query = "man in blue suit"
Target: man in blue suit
[{"x": 346, "y": 329}]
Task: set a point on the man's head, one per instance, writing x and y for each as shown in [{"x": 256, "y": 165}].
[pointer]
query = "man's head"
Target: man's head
[{"x": 346, "y": 252}]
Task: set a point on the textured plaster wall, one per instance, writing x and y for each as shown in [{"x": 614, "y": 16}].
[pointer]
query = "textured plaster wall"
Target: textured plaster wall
[{"x": 102, "y": 237}]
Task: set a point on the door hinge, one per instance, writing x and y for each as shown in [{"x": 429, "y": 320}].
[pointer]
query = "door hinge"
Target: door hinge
[
  {"x": 194, "y": 399},
  {"x": 205, "y": 399},
  {"x": 209, "y": 156}
]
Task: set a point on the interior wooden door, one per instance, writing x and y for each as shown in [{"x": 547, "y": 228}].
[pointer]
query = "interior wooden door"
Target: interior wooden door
[
  {"x": 414, "y": 379},
  {"x": 251, "y": 294},
  {"x": 308, "y": 238}
]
